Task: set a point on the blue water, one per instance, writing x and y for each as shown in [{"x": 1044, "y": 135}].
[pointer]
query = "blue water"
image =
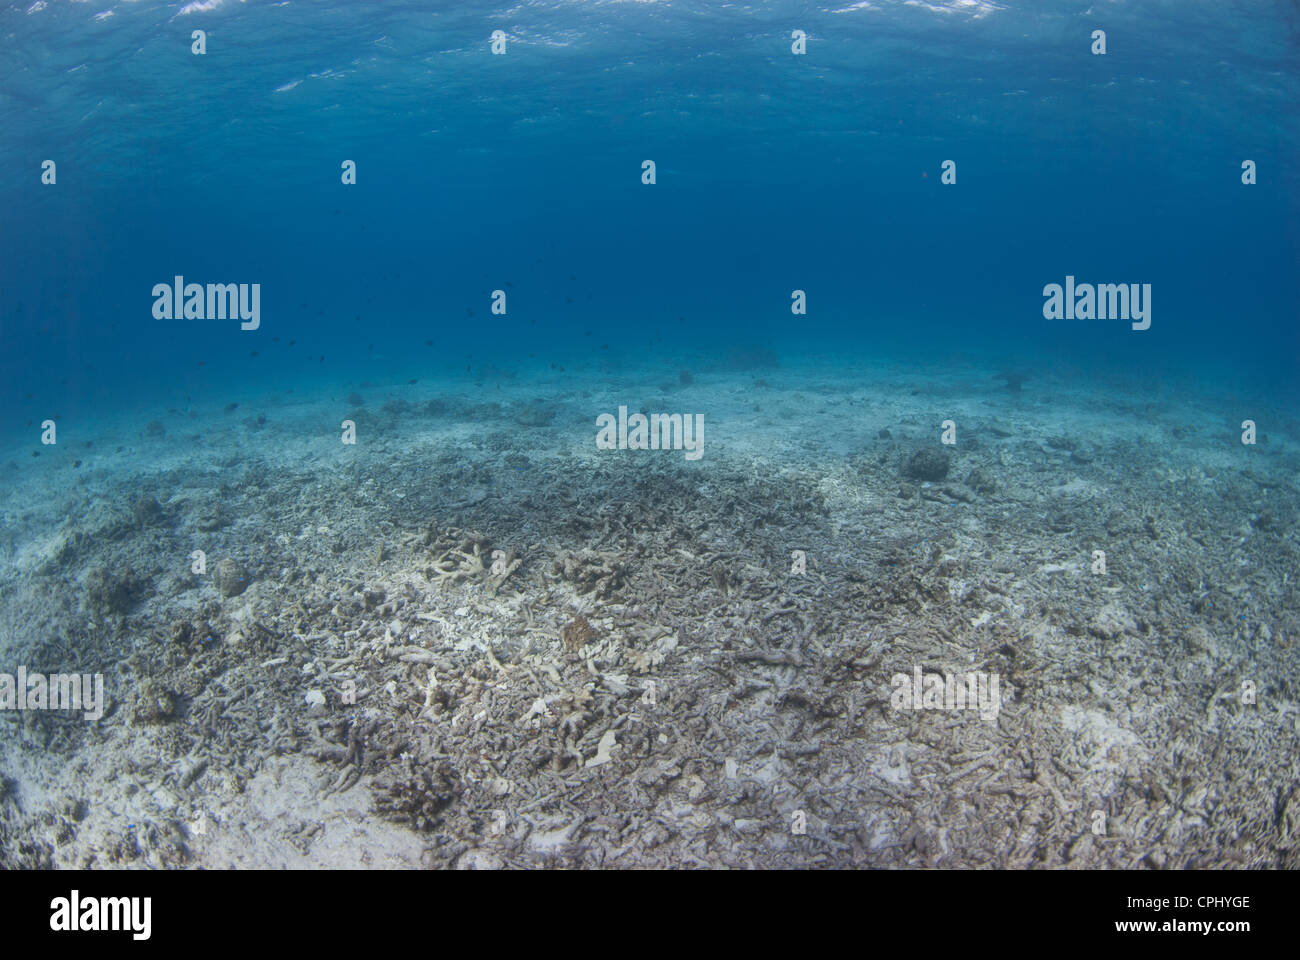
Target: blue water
[{"x": 522, "y": 172}]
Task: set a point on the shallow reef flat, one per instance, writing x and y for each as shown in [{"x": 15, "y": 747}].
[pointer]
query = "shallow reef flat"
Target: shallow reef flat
[{"x": 473, "y": 639}]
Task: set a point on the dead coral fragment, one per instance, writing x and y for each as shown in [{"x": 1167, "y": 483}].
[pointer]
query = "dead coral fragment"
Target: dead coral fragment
[
  {"x": 472, "y": 558},
  {"x": 591, "y": 572},
  {"x": 152, "y": 703},
  {"x": 458, "y": 564},
  {"x": 460, "y": 554},
  {"x": 417, "y": 793},
  {"x": 504, "y": 563},
  {"x": 578, "y": 633}
]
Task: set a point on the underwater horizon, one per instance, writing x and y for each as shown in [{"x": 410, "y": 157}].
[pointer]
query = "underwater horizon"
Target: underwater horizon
[{"x": 465, "y": 379}]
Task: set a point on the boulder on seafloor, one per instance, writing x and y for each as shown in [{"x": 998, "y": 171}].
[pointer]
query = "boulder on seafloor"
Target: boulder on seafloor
[
  {"x": 927, "y": 464},
  {"x": 112, "y": 590},
  {"x": 230, "y": 578}
]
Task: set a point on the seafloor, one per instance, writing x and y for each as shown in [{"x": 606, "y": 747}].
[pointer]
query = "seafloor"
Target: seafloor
[{"x": 643, "y": 680}]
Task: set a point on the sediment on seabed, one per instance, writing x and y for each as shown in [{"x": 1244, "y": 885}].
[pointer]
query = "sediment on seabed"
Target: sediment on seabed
[{"x": 583, "y": 658}]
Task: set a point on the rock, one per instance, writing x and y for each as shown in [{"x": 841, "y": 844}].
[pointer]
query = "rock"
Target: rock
[
  {"x": 153, "y": 703},
  {"x": 230, "y": 578},
  {"x": 112, "y": 590},
  {"x": 960, "y": 492},
  {"x": 578, "y": 633},
  {"x": 146, "y": 511},
  {"x": 927, "y": 464},
  {"x": 1111, "y": 622},
  {"x": 981, "y": 482},
  {"x": 209, "y": 518},
  {"x": 1197, "y": 639}
]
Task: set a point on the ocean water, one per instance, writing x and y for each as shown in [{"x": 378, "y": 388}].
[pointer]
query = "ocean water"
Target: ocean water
[
  {"x": 856, "y": 214},
  {"x": 775, "y": 172}
]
